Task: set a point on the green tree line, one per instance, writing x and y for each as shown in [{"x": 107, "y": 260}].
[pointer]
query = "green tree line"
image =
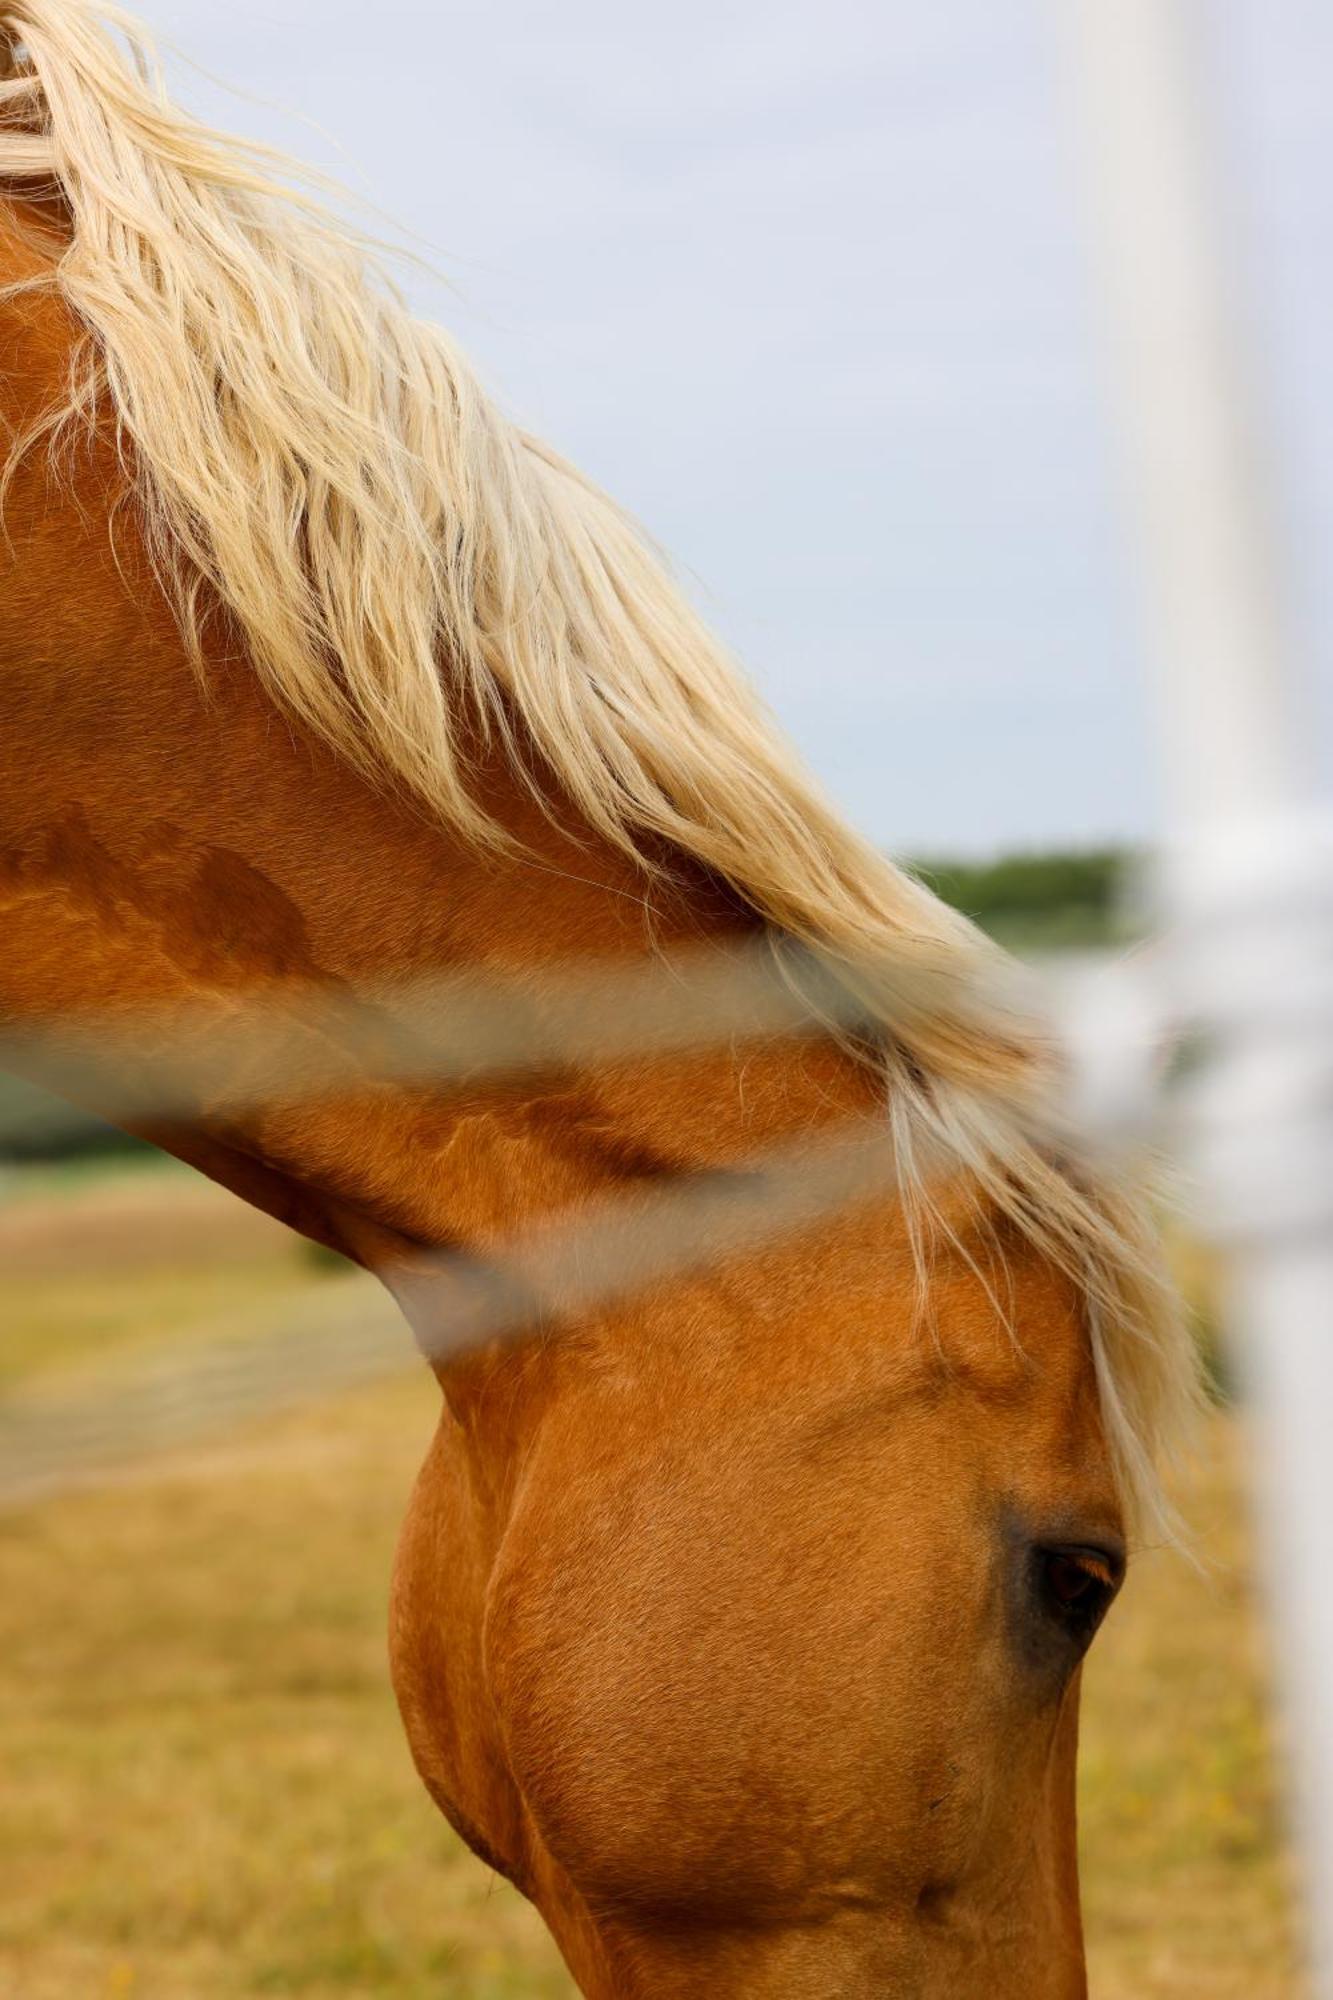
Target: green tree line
[{"x": 1034, "y": 902}]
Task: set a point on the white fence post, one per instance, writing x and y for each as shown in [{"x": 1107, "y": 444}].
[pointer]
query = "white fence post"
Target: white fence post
[{"x": 1248, "y": 879}]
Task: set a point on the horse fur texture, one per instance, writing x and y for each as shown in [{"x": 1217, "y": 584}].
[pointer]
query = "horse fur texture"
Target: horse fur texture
[{"x": 739, "y": 1623}]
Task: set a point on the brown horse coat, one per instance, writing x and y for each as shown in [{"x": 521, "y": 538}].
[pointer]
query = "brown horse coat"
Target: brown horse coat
[{"x": 739, "y": 1620}]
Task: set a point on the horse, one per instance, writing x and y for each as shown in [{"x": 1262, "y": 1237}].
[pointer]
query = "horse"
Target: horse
[{"x": 737, "y": 1617}]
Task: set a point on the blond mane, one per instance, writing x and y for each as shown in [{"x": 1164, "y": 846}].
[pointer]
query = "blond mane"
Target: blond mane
[{"x": 396, "y": 556}]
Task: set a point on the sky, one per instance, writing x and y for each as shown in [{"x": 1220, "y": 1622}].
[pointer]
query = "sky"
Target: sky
[{"x": 806, "y": 288}]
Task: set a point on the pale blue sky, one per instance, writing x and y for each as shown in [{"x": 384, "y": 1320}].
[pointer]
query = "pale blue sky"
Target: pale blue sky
[{"x": 804, "y": 286}]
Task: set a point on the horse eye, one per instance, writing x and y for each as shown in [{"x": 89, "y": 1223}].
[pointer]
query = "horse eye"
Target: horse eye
[{"x": 1077, "y": 1585}]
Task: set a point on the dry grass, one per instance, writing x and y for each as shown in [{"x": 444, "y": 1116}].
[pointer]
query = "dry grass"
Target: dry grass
[
  {"x": 206, "y": 1793},
  {"x": 1187, "y": 1887},
  {"x": 98, "y": 1262}
]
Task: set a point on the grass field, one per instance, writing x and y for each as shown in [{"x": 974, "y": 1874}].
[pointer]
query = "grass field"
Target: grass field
[{"x": 205, "y": 1790}]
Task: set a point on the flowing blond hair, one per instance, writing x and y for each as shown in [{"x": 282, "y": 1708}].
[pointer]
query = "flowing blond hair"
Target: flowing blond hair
[{"x": 394, "y": 554}]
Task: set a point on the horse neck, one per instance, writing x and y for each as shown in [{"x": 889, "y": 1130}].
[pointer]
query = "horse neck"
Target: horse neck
[{"x": 166, "y": 841}]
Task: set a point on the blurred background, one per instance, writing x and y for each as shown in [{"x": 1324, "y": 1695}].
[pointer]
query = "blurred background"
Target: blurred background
[{"x": 808, "y": 290}]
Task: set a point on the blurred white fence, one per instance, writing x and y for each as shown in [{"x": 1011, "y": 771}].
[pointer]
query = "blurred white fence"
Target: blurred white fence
[{"x": 1246, "y": 882}]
